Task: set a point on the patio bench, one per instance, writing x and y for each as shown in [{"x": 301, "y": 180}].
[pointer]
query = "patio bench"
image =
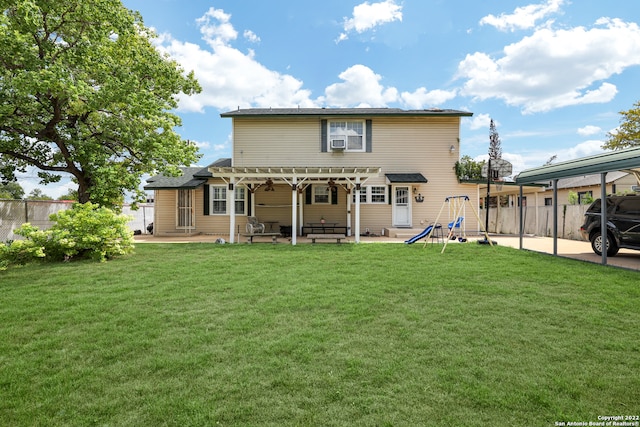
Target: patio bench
[
  {"x": 250, "y": 236},
  {"x": 337, "y": 237}
]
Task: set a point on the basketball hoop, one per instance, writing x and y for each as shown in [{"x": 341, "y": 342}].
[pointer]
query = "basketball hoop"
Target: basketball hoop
[{"x": 498, "y": 184}]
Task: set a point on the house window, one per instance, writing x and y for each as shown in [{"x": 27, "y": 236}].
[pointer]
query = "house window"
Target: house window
[
  {"x": 523, "y": 200},
  {"x": 372, "y": 194},
  {"x": 185, "y": 209},
  {"x": 350, "y": 134},
  {"x": 548, "y": 201},
  {"x": 378, "y": 194},
  {"x": 241, "y": 200},
  {"x": 321, "y": 194},
  {"x": 584, "y": 197},
  {"x": 219, "y": 200}
]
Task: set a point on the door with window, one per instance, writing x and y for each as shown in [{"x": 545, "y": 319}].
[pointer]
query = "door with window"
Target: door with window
[
  {"x": 401, "y": 207},
  {"x": 185, "y": 209}
]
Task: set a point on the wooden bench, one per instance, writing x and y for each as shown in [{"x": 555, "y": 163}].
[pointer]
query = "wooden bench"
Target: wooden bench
[
  {"x": 337, "y": 237},
  {"x": 250, "y": 236}
]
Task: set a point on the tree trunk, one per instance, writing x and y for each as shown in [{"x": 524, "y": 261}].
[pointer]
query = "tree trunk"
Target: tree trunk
[{"x": 84, "y": 189}]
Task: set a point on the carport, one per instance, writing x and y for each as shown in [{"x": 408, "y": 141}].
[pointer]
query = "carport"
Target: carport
[{"x": 627, "y": 160}]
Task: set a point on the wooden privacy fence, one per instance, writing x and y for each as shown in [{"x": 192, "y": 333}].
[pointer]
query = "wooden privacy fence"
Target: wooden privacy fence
[
  {"x": 13, "y": 213},
  {"x": 538, "y": 220}
]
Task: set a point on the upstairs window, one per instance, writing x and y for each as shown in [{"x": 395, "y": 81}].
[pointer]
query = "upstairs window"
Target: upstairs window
[{"x": 347, "y": 135}]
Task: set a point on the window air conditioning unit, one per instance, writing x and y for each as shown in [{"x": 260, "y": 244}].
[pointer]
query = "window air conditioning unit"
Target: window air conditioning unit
[{"x": 338, "y": 144}]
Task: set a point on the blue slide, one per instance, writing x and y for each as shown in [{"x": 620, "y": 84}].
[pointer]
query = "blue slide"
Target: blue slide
[{"x": 422, "y": 235}]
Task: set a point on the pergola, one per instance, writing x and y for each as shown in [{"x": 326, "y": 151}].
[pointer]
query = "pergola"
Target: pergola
[
  {"x": 297, "y": 178},
  {"x": 626, "y": 160}
]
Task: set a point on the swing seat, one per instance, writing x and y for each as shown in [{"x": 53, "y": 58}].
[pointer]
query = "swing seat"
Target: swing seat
[{"x": 457, "y": 222}]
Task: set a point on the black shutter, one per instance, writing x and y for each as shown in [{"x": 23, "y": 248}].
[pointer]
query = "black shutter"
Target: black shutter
[
  {"x": 369, "y": 136},
  {"x": 323, "y": 136},
  {"x": 206, "y": 198},
  {"x": 390, "y": 194},
  {"x": 308, "y": 195},
  {"x": 249, "y": 195},
  {"x": 334, "y": 196}
]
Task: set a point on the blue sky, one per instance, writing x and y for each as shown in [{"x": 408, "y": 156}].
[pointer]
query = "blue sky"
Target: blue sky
[{"x": 552, "y": 74}]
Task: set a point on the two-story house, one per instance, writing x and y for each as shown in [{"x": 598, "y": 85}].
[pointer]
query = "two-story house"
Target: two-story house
[{"x": 359, "y": 170}]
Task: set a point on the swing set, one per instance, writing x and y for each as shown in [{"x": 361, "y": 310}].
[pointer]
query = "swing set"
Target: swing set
[{"x": 457, "y": 212}]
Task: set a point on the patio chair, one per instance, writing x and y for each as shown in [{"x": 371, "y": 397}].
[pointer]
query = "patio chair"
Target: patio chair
[{"x": 253, "y": 226}]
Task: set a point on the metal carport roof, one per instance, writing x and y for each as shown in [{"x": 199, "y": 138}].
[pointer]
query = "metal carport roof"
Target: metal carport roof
[
  {"x": 627, "y": 160},
  {"x": 620, "y": 160}
]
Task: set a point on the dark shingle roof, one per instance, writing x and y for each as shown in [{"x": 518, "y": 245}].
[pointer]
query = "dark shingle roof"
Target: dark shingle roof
[
  {"x": 192, "y": 177},
  {"x": 406, "y": 178},
  {"x": 262, "y": 112}
]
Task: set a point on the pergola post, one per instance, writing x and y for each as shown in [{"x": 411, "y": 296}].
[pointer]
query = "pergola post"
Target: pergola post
[
  {"x": 231, "y": 208},
  {"x": 349, "y": 211},
  {"x": 294, "y": 210},
  {"x": 357, "y": 229}
]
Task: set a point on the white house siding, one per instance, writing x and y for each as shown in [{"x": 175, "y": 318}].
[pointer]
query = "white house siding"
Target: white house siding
[{"x": 400, "y": 145}]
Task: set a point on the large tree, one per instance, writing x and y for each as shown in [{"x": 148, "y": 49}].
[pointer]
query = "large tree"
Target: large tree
[
  {"x": 84, "y": 92},
  {"x": 11, "y": 190},
  {"x": 628, "y": 134}
]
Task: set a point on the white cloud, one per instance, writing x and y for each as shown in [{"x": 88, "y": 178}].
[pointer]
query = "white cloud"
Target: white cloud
[
  {"x": 584, "y": 149},
  {"x": 421, "y": 98},
  {"x": 216, "y": 28},
  {"x": 367, "y": 16},
  {"x": 555, "y": 68},
  {"x": 201, "y": 144},
  {"x": 360, "y": 86},
  {"x": 229, "y": 77},
  {"x": 523, "y": 17},
  {"x": 589, "y": 130},
  {"x": 251, "y": 36},
  {"x": 535, "y": 158},
  {"x": 479, "y": 121}
]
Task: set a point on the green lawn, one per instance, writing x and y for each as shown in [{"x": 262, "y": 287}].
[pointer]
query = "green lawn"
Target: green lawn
[{"x": 331, "y": 335}]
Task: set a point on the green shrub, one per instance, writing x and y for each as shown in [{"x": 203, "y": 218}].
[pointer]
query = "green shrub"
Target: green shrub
[
  {"x": 84, "y": 231},
  {"x": 19, "y": 252}
]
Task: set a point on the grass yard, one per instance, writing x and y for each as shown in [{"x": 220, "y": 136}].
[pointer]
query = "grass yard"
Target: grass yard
[{"x": 331, "y": 335}]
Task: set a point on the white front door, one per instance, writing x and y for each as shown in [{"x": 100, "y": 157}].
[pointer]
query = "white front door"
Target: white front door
[{"x": 401, "y": 207}]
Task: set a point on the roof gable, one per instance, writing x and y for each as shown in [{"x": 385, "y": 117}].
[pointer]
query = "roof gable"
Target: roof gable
[{"x": 192, "y": 177}]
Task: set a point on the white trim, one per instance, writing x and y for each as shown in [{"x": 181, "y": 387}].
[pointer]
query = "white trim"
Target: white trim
[{"x": 395, "y": 207}]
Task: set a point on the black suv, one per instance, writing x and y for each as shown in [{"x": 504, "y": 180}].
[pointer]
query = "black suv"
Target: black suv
[{"x": 623, "y": 224}]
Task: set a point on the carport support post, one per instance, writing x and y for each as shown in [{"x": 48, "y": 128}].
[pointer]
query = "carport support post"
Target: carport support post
[
  {"x": 521, "y": 219},
  {"x": 603, "y": 215}
]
